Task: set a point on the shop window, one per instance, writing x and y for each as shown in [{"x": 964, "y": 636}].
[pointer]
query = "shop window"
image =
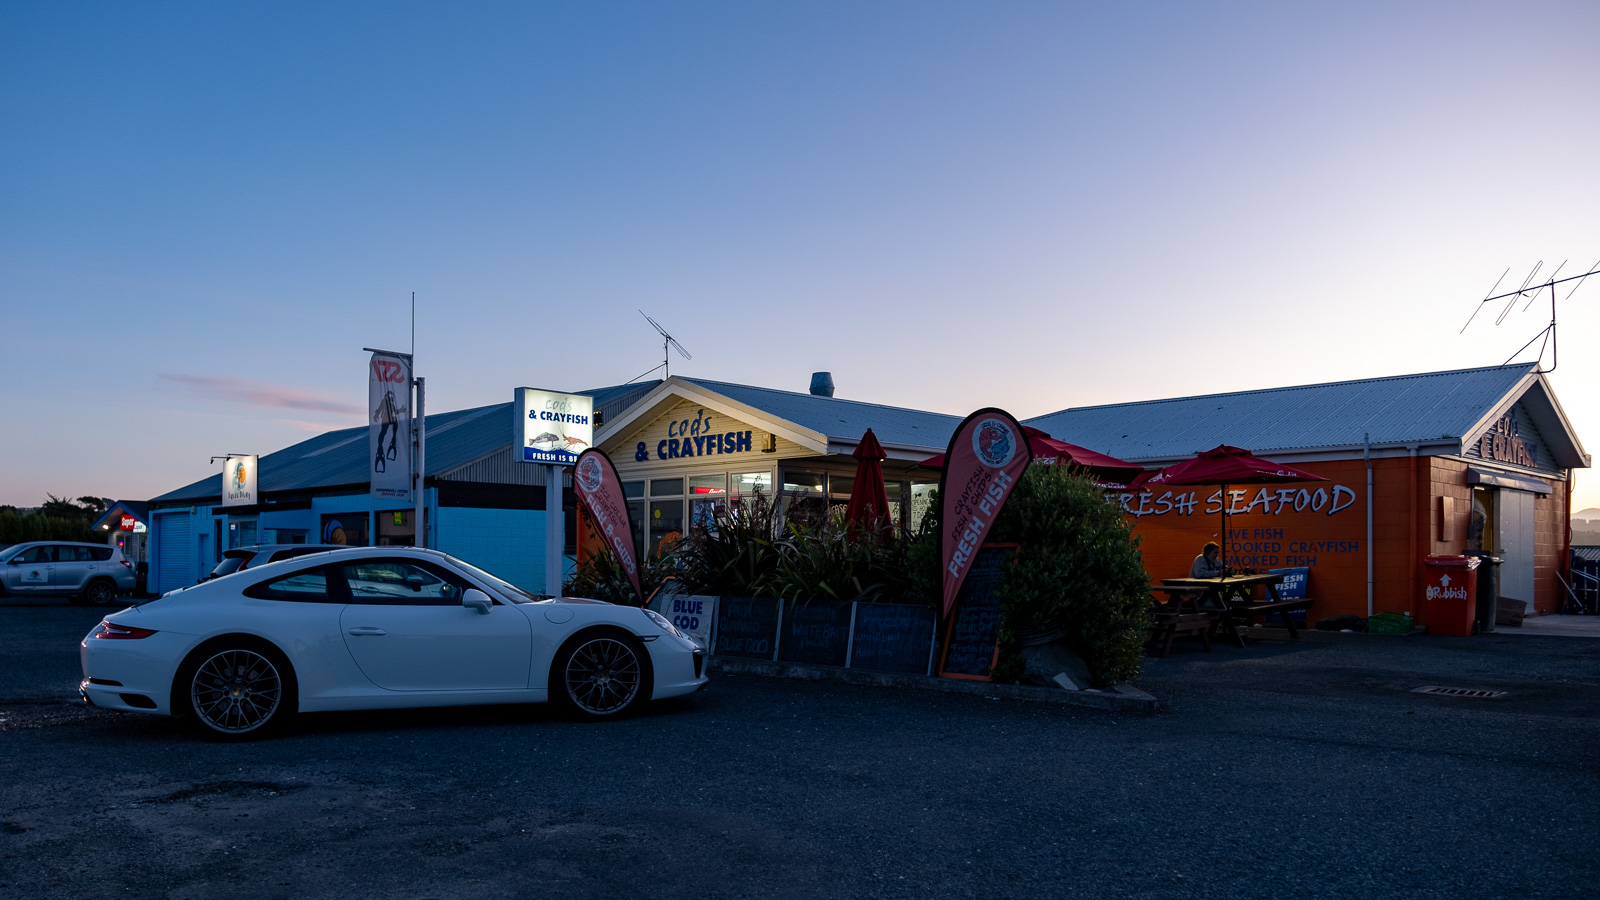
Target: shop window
[
  {"x": 1480, "y": 528},
  {"x": 395, "y": 528},
  {"x": 241, "y": 534},
  {"x": 896, "y": 492},
  {"x": 746, "y": 485},
  {"x": 707, "y": 495},
  {"x": 921, "y": 503},
  {"x": 665, "y": 516},
  {"x": 349, "y": 529},
  {"x": 633, "y": 489},
  {"x": 804, "y": 498}
]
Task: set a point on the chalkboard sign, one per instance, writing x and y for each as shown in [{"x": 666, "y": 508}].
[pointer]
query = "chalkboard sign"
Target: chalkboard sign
[
  {"x": 747, "y": 627},
  {"x": 892, "y": 638},
  {"x": 972, "y": 640},
  {"x": 815, "y": 632}
]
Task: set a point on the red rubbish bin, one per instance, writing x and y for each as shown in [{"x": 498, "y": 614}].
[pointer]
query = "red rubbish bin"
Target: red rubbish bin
[{"x": 1452, "y": 593}]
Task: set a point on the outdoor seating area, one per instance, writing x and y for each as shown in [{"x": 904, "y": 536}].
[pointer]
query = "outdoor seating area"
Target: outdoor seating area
[{"x": 1206, "y": 607}]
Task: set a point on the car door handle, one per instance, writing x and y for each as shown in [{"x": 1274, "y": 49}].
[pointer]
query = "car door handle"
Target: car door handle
[{"x": 365, "y": 630}]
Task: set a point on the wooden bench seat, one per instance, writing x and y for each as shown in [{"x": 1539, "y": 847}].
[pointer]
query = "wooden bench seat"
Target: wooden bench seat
[
  {"x": 1166, "y": 626},
  {"x": 1244, "y": 612}
]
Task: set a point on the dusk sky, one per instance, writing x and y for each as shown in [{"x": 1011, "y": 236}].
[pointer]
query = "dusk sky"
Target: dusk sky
[{"x": 207, "y": 211}]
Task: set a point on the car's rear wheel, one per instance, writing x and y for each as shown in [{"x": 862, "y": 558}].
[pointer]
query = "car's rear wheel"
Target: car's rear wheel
[
  {"x": 99, "y": 592},
  {"x": 237, "y": 690},
  {"x": 601, "y": 674}
]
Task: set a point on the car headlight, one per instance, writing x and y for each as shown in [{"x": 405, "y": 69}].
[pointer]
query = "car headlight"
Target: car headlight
[{"x": 666, "y": 626}]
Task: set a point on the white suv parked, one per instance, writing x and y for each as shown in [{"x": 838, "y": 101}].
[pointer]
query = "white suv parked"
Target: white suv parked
[{"x": 88, "y": 573}]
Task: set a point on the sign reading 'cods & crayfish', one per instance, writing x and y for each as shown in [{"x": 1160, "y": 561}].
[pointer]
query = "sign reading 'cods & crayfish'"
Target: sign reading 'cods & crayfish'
[{"x": 697, "y": 435}]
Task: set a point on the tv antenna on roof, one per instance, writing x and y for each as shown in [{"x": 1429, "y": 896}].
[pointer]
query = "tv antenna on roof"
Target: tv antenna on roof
[
  {"x": 667, "y": 342},
  {"x": 1532, "y": 293}
]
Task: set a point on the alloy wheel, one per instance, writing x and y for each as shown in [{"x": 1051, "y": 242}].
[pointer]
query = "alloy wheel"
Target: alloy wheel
[
  {"x": 100, "y": 594},
  {"x": 236, "y": 691},
  {"x": 603, "y": 676}
]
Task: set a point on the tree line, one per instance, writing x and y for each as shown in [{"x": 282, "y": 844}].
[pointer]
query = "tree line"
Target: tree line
[{"x": 58, "y": 519}]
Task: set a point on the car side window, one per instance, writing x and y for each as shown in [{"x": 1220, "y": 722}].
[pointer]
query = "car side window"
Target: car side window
[
  {"x": 397, "y": 582},
  {"x": 310, "y": 586},
  {"x": 75, "y": 554},
  {"x": 99, "y": 554},
  {"x": 37, "y": 555}
]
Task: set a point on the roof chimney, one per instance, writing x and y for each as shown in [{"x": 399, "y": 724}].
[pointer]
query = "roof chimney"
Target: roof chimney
[{"x": 822, "y": 384}]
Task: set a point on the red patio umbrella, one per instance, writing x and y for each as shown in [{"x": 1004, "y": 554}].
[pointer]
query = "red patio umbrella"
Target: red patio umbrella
[
  {"x": 868, "y": 510},
  {"x": 1227, "y": 465},
  {"x": 1048, "y": 451}
]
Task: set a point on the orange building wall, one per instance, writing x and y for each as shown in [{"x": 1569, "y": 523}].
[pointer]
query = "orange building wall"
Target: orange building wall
[{"x": 1406, "y": 523}]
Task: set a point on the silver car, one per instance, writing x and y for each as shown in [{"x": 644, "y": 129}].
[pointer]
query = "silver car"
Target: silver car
[
  {"x": 260, "y": 554},
  {"x": 87, "y": 573}
]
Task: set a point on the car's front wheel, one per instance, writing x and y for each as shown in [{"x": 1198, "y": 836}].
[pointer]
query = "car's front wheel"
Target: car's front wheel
[
  {"x": 601, "y": 674},
  {"x": 237, "y": 690},
  {"x": 99, "y": 593}
]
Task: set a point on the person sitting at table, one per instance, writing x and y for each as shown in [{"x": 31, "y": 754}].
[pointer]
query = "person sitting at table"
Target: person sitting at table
[{"x": 1208, "y": 564}]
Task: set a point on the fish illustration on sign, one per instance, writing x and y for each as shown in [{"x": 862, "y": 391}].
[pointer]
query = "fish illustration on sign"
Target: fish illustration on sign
[{"x": 546, "y": 438}]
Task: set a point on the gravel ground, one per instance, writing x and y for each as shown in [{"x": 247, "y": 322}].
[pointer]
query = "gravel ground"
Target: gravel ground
[{"x": 1303, "y": 769}]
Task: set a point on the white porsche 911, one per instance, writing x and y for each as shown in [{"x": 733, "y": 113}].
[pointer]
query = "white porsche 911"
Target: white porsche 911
[{"x": 376, "y": 628}]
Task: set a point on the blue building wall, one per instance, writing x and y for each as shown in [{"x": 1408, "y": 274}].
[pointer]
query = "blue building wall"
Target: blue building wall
[{"x": 505, "y": 542}]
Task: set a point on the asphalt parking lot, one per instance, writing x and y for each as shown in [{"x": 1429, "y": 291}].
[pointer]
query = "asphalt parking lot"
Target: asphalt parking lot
[{"x": 1307, "y": 769}]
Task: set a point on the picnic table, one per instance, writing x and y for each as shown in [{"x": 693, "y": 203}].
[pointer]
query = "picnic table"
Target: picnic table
[
  {"x": 1232, "y": 598},
  {"x": 1180, "y": 612}
]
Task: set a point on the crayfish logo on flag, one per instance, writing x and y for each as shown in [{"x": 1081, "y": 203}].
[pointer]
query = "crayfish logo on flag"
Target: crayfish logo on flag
[
  {"x": 994, "y": 442},
  {"x": 590, "y": 474}
]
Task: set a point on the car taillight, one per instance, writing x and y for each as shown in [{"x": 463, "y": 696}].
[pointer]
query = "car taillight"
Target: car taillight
[
  {"x": 112, "y": 632},
  {"x": 126, "y": 563}
]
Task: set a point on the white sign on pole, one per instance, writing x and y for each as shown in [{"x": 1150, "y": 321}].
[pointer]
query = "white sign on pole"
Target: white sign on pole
[
  {"x": 389, "y": 424},
  {"x": 553, "y": 428},
  {"x": 239, "y": 481}
]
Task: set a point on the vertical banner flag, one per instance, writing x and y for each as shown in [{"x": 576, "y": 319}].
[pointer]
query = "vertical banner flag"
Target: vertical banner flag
[
  {"x": 389, "y": 424},
  {"x": 239, "y": 481},
  {"x": 595, "y": 481},
  {"x": 987, "y": 455}
]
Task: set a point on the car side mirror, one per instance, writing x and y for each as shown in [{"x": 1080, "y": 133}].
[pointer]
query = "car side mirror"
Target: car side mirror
[{"x": 476, "y": 599}]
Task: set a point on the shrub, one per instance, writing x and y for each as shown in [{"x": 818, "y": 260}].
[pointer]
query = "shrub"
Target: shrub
[
  {"x": 1078, "y": 569},
  {"x": 601, "y": 577}
]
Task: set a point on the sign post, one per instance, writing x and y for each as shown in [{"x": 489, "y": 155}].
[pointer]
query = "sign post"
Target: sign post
[{"x": 552, "y": 429}]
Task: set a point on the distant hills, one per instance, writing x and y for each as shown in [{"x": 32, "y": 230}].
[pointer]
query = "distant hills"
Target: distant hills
[{"x": 1586, "y": 527}]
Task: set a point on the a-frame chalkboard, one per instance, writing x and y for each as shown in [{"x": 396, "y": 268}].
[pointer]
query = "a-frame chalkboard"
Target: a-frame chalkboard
[{"x": 972, "y": 636}]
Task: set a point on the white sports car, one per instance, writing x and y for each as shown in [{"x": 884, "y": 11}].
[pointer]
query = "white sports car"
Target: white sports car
[{"x": 376, "y": 628}]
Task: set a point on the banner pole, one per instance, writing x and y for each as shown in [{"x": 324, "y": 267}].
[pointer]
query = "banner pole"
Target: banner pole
[{"x": 421, "y": 538}]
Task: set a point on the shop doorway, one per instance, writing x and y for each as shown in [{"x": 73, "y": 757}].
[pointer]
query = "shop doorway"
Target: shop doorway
[{"x": 1516, "y": 545}]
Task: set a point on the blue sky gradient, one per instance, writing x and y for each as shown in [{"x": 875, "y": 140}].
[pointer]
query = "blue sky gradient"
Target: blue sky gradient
[{"x": 208, "y": 211}]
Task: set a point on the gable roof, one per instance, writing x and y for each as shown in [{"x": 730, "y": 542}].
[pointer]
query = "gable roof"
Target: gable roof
[
  {"x": 1442, "y": 411},
  {"x": 821, "y": 424}
]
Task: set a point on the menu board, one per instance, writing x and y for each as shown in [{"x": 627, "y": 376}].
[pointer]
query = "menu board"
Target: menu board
[
  {"x": 972, "y": 641},
  {"x": 891, "y": 637},
  {"x": 747, "y": 627},
  {"x": 815, "y": 632}
]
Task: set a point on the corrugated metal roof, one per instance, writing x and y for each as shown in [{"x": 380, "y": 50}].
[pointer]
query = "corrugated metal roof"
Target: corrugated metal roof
[
  {"x": 340, "y": 457},
  {"x": 844, "y": 420},
  {"x": 1394, "y": 410}
]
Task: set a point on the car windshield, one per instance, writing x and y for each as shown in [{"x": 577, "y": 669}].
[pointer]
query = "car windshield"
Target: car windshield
[{"x": 514, "y": 593}]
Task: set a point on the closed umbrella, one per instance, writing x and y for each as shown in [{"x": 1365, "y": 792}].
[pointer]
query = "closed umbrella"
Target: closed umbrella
[
  {"x": 868, "y": 510},
  {"x": 1227, "y": 465}
]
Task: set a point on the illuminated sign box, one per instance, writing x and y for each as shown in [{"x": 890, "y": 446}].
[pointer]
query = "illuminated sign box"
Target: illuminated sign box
[{"x": 552, "y": 428}]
